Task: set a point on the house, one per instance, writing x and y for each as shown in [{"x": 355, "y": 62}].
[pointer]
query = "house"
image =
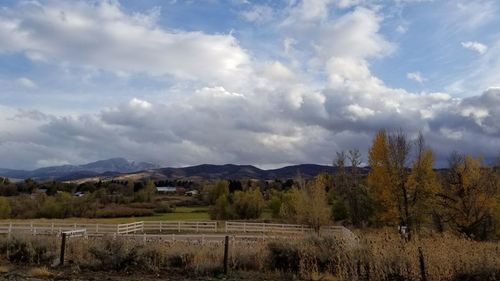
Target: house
[
  {"x": 166, "y": 189},
  {"x": 191, "y": 193}
]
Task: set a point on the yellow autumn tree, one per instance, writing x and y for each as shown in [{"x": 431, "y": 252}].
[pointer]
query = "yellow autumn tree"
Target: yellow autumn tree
[
  {"x": 470, "y": 196},
  {"x": 310, "y": 203},
  {"x": 403, "y": 188},
  {"x": 379, "y": 179},
  {"x": 422, "y": 185}
]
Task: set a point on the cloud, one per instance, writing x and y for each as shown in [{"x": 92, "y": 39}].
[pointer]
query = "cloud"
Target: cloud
[
  {"x": 475, "y": 46},
  {"x": 26, "y": 83},
  {"x": 258, "y": 14},
  {"x": 415, "y": 76},
  {"x": 215, "y": 125},
  {"x": 471, "y": 15},
  {"x": 300, "y": 108},
  {"x": 103, "y": 36}
]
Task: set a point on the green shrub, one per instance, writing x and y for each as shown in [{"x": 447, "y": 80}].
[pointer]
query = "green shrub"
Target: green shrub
[
  {"x": 284, "y": 256},
  {"x": 151, "y": 258},
  {"x": 29, "y": 250},
  {"x": 115, "y": 211},
  {"x": 114, "y": 254},
  {"x": 248, "y": 204},
  {"x": 164, "y": 208},
  {"x": 4, "y": 208},
  {"x": 180, "y": 259}
]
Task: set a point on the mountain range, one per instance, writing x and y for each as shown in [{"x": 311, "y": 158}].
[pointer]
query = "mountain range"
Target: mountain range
[
  {"x": 122, "y": 169},
  {"x": 113, "y": 165}
]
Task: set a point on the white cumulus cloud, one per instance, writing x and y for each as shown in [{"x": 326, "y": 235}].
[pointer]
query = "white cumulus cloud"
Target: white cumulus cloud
[
  {"x": 415, "y": 76},
  {"x": 26, "y": 83},
  {"x": 101, "y": 35},
  {"x": 475, "y": 46}
]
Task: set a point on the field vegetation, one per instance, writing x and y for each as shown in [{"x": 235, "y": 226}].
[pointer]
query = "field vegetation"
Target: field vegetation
[{"x": 378, "y": 255}]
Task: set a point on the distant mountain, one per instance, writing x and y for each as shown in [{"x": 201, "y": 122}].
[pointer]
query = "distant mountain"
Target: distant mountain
[
  {"x": 208, "y": 171},
  {"x": 230, "y": 171},
  {"x": 121, "y": 169},
  {"x": 65, "y": 172}
]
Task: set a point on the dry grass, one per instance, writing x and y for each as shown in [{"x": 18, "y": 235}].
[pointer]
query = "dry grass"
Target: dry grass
[
  {"x": 386, "y": 256},
  {"x": 378, "y": 255},
  {"x": 39, "y": 272},
  {"x": 4, "y": 269}
]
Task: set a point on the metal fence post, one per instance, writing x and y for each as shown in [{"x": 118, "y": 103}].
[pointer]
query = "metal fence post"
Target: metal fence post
[
  {"x": 63, "y": 247},
  {"x": 226, "y": 253},
  {"x": 422, "y": 264}
]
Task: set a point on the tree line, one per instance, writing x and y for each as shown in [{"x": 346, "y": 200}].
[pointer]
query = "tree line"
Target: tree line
[{"x": 402, "y": 190}]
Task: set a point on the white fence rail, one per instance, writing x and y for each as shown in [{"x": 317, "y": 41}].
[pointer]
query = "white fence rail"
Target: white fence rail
[
  {"x": 250, "y": 227},
  {"x": 133, "y": 227},
  {"x": 159, "y": 227},
  {"x": 76, "y": 233},
  {"x": 127, "y": 228},
  {"x": 50, "y": 228},
  {"x": 265, "y": 227},
  {"x": 169, "y": 226}
]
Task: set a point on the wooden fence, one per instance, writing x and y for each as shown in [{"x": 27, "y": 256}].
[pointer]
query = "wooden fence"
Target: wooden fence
[
  {"x": 159, "y": 227},
  {"x": 127, "y": 228},
  {"x": 264, "y": 227},
  {"x": 251, "y": 227},
  {"x": 170, "y": 226}
]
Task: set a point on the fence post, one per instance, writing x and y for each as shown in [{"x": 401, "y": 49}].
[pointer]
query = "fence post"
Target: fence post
[
  {"x": 226, "y": 252},
  {"x": 97, "y": 228},
  {"x": 422, "y": 264},
  {"x": 225, "y": 226},
  {"x": 197, "y": 226},
  {"x": 63, "y": 247},
  {"x": 161, "y": 226},
  {"x": 245, "y": 227}
]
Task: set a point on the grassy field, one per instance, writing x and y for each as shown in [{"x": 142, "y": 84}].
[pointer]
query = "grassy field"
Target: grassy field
[
  {"x": 181, "y": 213},
  {"x": 199, "y": 213}
]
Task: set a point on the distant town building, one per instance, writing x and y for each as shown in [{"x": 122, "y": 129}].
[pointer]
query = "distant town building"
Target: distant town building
[
  {"x": 166, "y": 189},
  {"x": 192, "y": 193}
]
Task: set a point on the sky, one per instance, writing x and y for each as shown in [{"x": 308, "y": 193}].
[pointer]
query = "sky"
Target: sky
[{"x": 267, "y": 83}]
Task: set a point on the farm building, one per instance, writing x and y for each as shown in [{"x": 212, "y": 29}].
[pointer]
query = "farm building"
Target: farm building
[{"x": 166, "y": 189}]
